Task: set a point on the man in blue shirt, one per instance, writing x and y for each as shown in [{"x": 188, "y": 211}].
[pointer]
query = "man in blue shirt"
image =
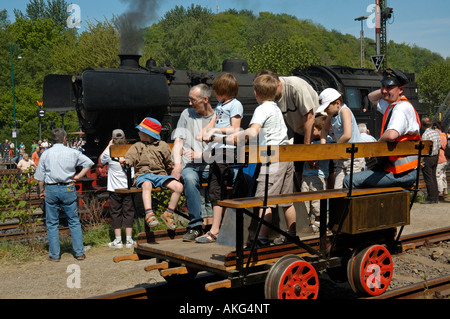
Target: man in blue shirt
[{"x": 56, "y": 173}]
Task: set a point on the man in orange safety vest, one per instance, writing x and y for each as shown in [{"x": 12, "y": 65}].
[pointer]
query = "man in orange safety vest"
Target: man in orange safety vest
[{"x": 400, "y": 123}]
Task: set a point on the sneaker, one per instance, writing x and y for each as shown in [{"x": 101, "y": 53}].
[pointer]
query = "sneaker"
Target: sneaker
[
  {"x": 191, "y": 234},
  {"x": 115, "y": 244},
  {"x": 281, "y": 240},
  {"x": 315, "y": 228},
  {"x": 130, "y": 243}
]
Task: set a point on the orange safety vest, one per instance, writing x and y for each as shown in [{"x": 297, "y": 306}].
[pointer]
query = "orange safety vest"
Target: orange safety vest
[{"x": 400, "y": 164}]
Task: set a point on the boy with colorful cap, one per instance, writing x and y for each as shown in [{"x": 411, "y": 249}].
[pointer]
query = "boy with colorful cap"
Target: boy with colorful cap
[{"x": 152, "y": 162}]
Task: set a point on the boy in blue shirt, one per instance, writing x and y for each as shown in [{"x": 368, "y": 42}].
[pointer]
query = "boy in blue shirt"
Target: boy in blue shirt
[{"x": 226, "y": 120}]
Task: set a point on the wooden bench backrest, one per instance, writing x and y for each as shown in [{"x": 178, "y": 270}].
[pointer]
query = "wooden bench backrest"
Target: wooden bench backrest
[
  {"x": 314, "y": 152},
  {"x": 121, "y": 150}
]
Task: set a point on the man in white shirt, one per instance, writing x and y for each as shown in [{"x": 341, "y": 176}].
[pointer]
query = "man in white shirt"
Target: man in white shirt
[
  {"x": 400, "y": 122},
  {"x": 56, "y": 173},
  {"x": 189, "y": 162},
  {"x": 365, "y": 135}
]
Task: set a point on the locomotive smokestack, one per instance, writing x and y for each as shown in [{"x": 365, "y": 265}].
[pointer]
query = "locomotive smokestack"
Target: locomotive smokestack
[{"x": 129, "y": 61}]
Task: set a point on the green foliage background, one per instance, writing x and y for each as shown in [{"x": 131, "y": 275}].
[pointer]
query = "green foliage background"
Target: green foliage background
[{"x": 190, "y": 38}]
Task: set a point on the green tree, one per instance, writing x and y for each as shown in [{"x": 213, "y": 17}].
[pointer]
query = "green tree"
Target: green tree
[
  {"x": 280, "y": 56},
  {"x": 38, "y": 9},
  {"x": 434, "y": 84},
  {"x": 34, "y": 41},
  {"x": 97, "y": 47},
  {"x": 4, "y": 22},
  {"x": 186, "y": 42}
]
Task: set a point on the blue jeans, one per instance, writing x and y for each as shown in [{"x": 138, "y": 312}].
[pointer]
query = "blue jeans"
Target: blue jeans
[
  {"x": 192, "y": 177},
  {"x": 66, "y": 197},
  {"x": 371, "y": 178}
]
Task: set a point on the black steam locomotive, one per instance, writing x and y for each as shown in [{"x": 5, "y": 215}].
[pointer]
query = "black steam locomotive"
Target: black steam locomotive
[{"x": 106, "y": 99}]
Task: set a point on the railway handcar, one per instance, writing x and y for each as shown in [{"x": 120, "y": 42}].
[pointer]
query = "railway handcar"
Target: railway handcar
[{"x": 355, "y": 241}]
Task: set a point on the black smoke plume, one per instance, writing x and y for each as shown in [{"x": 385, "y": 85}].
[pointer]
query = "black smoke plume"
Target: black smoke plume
[{"x": 130, "y": 24}]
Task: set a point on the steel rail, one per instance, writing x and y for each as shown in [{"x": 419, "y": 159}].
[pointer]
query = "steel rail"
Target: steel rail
[
  {"x": 433, "y": 288},
  {"x": 426, "y": 237}
]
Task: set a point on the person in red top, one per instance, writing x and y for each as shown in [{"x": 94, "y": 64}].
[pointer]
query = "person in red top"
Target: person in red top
[
  {"x": 400, "y": 122},
  {"x": 441, "y": 170}
]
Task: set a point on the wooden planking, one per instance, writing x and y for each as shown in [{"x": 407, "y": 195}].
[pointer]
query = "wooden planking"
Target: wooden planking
[
  {"x": 210, "y": 256},
  {"x": 214, "y": 257},
  {"x": 249, "y": 202},
  {"x": 313, "y": 152},
  {"x": 371, "y": 212},
  {"x": 121, "y": 150},
  {"x": 273, "y": 252}
]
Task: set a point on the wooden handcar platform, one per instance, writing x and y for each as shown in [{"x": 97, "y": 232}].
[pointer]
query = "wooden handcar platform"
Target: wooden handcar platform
[{"x": 214, "y": 257}]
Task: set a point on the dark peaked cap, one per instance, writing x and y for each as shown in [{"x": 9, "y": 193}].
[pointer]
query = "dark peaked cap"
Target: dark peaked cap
[{"x": 394, "y": 77}]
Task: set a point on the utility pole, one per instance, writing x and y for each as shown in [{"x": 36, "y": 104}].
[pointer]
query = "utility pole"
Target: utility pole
[{"x": 362, "y": 18}]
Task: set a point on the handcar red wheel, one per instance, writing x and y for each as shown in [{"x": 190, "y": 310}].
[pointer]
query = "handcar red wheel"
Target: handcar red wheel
[
  {"x": 292, "y": 278},
  {"x": 372, "y": 271}
]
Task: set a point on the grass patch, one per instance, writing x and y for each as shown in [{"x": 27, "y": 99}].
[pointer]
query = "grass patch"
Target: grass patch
[
  {"x": 15, "y": 252},
  {"x": 18, "y": 252}
]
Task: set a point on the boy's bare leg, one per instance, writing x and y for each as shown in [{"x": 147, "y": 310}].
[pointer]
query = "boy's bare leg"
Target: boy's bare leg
[
  {"x": 291, "y": 218},
  {"x": 150, "y": 217},
  {"x": 177, "y": 188},
  {"x": 264, "y": 232},
  {"x": 147, "y": 194}
]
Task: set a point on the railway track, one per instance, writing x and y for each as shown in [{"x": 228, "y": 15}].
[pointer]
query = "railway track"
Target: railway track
[
  {"x": 12, "y": 231},
  {"x": 436, "y": 288},
  {"x": 431, "y": 288}
]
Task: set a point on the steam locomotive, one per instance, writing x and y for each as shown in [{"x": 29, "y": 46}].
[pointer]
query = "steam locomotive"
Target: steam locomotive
[{"x": 106, "y": 99}]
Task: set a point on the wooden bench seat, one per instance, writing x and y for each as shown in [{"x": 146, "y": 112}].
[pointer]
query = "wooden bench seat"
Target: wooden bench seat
[
  {"x": 250, "y": 202},
  {"x": 134, "y": 189}
]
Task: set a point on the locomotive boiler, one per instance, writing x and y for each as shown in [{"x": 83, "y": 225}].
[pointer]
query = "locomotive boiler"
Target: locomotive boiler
[{"x": 110, "y": 98}]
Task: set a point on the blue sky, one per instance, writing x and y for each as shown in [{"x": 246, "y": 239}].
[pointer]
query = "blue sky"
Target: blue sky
[{"x": 423, "y": 23}]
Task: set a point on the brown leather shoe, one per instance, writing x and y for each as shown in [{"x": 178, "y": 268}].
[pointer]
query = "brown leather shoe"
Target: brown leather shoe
[
  {"x": 53, "y": 259},
  {"x": 82, "y": 257}
]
